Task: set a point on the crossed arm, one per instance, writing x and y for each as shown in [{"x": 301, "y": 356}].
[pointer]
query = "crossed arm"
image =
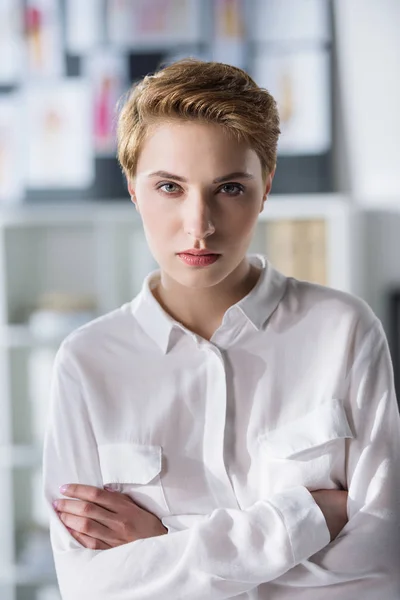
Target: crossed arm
[
  {"x": 271, "y": 538},
  {"x": 102, "y": 519}
]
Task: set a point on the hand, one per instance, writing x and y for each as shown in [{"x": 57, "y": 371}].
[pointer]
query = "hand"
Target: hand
[
  {"x": 101, "y": 519},
  {"x": 333, "y": 504}
]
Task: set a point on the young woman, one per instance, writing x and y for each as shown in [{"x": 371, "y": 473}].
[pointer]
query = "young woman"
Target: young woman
[{"x": 244, "y": 422}]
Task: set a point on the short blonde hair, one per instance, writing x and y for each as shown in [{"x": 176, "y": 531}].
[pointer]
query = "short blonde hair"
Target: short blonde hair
[{"x": 211, "y": 92}]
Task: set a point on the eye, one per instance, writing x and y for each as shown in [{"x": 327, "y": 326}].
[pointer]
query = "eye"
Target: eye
[
  {"x": 168, "y": 188},
  {"x": 232, "y": 189}
]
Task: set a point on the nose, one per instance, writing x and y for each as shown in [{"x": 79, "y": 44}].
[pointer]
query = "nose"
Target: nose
[{"x": 198, "y": 220}]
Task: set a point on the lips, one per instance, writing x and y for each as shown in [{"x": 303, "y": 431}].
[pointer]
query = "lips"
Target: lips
[
  {"x": 197, "y": 252},
  {"x": 202, "y": 258}
]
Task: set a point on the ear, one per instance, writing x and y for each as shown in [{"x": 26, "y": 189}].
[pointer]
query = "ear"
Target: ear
[
  {"x": 132, "y": 193},
  {"x": 268, "y": 186}
]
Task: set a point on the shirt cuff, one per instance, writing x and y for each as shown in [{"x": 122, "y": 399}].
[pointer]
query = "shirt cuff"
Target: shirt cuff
[{"x": 304, "y": 520}]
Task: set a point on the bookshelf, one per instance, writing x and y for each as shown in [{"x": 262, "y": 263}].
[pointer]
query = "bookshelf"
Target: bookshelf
[
  {"x": 343, "y": 230},
  {"x": 39, "y": 245}
]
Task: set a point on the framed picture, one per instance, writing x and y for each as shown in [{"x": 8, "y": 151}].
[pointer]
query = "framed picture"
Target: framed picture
[
  {"x": 12, "y": 166},
  {"x": 153, "y": 23},
  {"x": 229, "y": 44},
  {"x": 84, "y": 25},
  {"x": 292, "y": 21},
  {"x": 300, "y": 83},
  {"x": 59, "y": 134},
  {"x": 107, "y": 71},
  {"x": 11, "y": 41},
  {"x": 43, "y": 37}
]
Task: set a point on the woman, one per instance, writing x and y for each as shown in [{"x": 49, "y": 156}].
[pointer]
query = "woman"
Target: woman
[{"x": 245, "y": 422}]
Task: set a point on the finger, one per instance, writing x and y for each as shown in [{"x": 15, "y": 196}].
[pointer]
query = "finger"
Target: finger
[
  {"x": 88, "y": 542},
  {"x": 93, "y": 494},
  {"x": 81, "y": 508},
  {"x": 87, "y": 527}
]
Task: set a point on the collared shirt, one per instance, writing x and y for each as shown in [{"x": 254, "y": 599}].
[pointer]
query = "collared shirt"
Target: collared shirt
[{"x": 224, "y": 440}]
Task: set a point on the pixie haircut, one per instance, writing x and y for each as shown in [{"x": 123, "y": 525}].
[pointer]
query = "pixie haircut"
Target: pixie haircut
[{"x": 195, "y": 90}]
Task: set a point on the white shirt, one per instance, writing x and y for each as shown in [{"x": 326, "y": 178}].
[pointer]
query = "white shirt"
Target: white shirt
[{"x": 223, "y": 440}]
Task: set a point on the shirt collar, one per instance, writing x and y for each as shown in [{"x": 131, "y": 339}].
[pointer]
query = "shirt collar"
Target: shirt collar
[
  {"x": 257, "y": 306},
  {"x": 262, "y": 300},
  {"x": 153, "y": 319}
]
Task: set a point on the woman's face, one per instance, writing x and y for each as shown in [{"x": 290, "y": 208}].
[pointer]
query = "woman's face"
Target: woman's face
[{"x": 197, "y": 188}]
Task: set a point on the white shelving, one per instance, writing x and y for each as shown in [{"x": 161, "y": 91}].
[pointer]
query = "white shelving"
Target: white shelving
[
  {"x": 22, "y": 455},
  {"x": 344, "y": 232},
  {"x": 97, "y": 249},
  {"x": 22, "y": 576}
]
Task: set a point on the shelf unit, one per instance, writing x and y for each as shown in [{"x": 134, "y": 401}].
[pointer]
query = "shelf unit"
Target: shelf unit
[
  {"x": 97, "y": 249},
  {"x": 344, "y": 232}
]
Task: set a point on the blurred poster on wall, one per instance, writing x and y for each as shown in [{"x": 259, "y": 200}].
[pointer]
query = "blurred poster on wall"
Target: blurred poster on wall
[
  {"x": 11, "y": 163},
  {"x": 59, "y": 135},
  {"x": 300, "y": 83},
  {"x": 291, "y": 21},
  {"x": 44, "y": 43},
  {"x": 11, "y": 27},
  {"x": 153, "y": 23},
  {"x": 229, "y": 32},
  {"x": 84, "y": 25},
  {"x": 107, "y": 71}
]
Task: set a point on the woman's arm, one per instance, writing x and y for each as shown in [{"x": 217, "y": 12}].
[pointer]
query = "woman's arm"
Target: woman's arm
[
  {"x": 227, "y": 553},
  {"x": 368, "y": 548}
]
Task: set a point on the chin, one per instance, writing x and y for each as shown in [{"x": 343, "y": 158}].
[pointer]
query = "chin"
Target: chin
[
  {"x": 194, "y": 278},
  {"x": 200, "y": 283},
  {"x": 202, "y": 277}
]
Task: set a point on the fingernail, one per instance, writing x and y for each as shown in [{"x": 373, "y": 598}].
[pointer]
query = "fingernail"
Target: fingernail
[
  {"x": 55, "y": 503},
  {"x": 64, "y": 488},
  {"x": 109, "y": 488}
]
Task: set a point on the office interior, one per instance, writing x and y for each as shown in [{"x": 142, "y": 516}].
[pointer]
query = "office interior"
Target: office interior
[{"x": 71, "y": 244}]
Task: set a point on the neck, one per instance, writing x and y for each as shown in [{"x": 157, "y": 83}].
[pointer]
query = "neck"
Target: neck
[{"x": 202, "y": 310}]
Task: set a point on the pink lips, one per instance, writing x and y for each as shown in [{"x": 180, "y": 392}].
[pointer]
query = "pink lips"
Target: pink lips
[{"x": 198, "y": 260}]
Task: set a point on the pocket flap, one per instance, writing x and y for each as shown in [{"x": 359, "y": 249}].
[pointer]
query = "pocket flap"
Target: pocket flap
[
  {"x": 129, "y": 463},
  {"x": 325, "y": 423}
]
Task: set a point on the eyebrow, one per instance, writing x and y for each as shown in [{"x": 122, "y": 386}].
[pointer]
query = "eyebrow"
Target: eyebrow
[{"x": 229, "y": 177}]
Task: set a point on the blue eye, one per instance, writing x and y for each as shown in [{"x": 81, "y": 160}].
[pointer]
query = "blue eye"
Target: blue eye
[
  {"x": 168, "y": 187},
  {"x": 232, "y": 189}
]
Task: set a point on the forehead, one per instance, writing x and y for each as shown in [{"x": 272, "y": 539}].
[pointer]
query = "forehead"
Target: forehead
[{"x": 185, "y": 147}]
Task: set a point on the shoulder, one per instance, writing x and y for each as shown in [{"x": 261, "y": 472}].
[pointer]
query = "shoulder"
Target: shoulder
[
  {"x": 331, "y": 309},
  {"x": 100, "y": 336}
]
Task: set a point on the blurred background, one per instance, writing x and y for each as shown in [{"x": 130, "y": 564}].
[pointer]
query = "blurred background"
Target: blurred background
[{"x": 71, "y": 244}]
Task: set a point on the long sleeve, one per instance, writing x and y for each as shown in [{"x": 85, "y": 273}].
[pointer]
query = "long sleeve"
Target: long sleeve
[
  {"x": 226, "y": 553},
  {"x": 368, "y": 548}
]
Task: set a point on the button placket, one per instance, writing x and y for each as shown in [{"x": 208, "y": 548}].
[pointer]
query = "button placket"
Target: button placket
[{"x": 214, "y": 430}]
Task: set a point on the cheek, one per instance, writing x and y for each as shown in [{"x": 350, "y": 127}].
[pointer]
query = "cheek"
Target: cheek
[
  {"x": 158, "y": 224},
  {"x": 243, "y": 222}
]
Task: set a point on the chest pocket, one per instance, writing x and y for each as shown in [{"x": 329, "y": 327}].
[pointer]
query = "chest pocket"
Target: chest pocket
[
  {"x": 307, "y": 451},
  {"x": 135, "y": 470}
]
